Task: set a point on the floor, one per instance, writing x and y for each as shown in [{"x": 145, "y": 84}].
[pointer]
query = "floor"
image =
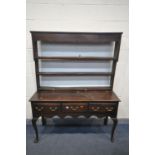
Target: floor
[{"x": 78, "y": 137}]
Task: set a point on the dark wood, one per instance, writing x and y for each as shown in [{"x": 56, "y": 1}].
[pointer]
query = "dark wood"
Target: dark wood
[
  {"x": 43, "y": 121},
  {"x": 35, "y": 129},
  {"x": 116, "y": 54},
  {"x": 115, "y": 121},
  {"x": 75, "y": 58},
  {"x": 106, "y": 120},
  {"x": 76, "y": 38},
  {"x": 75, "y": 88},
  {"x": 74, "y": 73},
  {"x": 35, "y": 54},
  {"x": 74, "y": 96},
  {"x": 74, "y": 101}
]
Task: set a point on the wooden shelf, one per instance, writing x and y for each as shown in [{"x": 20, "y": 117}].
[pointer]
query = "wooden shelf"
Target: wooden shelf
[
  {"x": 74, "y": 73},
  {"x": 76, "y": 58},
  {"x": 44, "y": 88},
  {"x": 84, "y": 58}
]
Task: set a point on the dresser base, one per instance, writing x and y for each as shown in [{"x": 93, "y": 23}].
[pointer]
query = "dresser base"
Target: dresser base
[{"x": 46, "y": 104}]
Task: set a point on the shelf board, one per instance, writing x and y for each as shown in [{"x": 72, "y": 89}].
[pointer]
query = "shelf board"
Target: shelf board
[
  {"x": 74, "y": 73},
  {"x": 76, "y": 88},
  {"x": 76, "y": 58}
]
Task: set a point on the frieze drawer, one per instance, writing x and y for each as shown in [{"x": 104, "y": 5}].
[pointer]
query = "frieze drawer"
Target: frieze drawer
[
  {"x": 47, "y": 108},
  {"x": 75, "y": 107},
  {"x": 102, "y": 108}
]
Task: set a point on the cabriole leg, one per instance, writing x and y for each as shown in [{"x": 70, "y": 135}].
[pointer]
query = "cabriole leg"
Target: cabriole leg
[
  {"x": 115, "y": 121},
  {"x": 35, "y": 129},
  {"x": 43, "y": 120},
  {"x": 106, "y": 120}
]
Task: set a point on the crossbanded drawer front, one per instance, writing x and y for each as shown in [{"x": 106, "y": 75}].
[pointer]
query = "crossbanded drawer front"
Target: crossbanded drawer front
[
  {"x": 47, "y": 108},
  {"x": 75, "y": 107},
  {"x": 102, "y": 108}
]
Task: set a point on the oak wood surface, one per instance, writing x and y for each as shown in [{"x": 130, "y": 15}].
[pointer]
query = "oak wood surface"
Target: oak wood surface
[
  {"x": 76, "y": 37},
  {"x": 74, "y": 73},
  {"x": 54, "y": 58},
  {"x": 74, "y": 95}
]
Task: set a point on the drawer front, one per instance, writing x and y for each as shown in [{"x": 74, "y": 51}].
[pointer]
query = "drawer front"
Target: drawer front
[
  {"x": 75, "y": 107},
  {"x": 51, "y": 109},
  {"x": 46, "y": 108},
  {"x": 102, "y": 108}
]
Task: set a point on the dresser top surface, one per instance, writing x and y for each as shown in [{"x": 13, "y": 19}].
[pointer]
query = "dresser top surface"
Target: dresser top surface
[{"x": 75, "y": 95}]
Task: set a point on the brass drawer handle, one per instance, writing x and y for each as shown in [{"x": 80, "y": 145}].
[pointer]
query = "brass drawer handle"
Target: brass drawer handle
[
  {"x": 39, "y": 108},
  {"x": 95, "y": 108},
  {"x": 109, "y": 109},
  {"x": 74, "y": 108},
  {"x": 53, "y": 108}
]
